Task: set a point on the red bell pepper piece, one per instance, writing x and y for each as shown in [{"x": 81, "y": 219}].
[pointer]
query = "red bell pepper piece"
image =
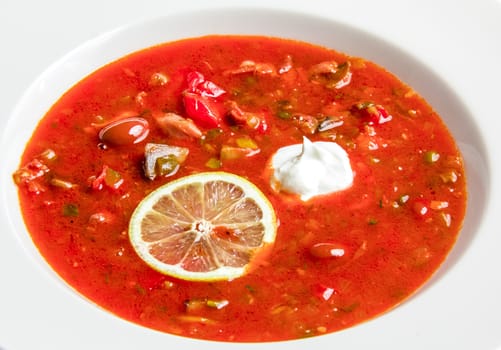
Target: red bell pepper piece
[
  {"x": 203, "y": 110},
  {"x": 323, "y": 292},
  {"x": 198, "y": 85},
  {"x": 200, "y": 101}
]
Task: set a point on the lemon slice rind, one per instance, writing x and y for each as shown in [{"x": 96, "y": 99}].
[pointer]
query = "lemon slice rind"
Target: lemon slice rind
[{"x": 142, "y": 248}]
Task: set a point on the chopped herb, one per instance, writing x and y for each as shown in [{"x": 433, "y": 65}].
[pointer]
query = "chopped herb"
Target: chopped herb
[
  {"x": 70, "y": 210},
  {"x": 212, "y": 134},
  {"x": 140, "y": 290},
  {"x": 284, "y": 109},
  {"x": 349, "y": 308},
  {"x": 283, "y": 114},
  {"x": 372, "y": 221},
  {"x": 250, "y": 288}
]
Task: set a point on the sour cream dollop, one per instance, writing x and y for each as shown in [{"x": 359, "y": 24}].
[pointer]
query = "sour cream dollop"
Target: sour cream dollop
[{"x": 311, "y": 169}]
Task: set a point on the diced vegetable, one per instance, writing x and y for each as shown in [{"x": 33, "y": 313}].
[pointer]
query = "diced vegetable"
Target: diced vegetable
[
  {"x": 446, "y": 218},
  {"x": 284, "y": 109},
  {"x": 323, "y": 292},
  {"x": 449, "y": 176},
  {"x": 158, "y": 79},
  {"x": 231, "y": 152},
  {"x": 372, "y": 221},
  {"x": 30, "y": 171},
  {"x": 252, "y": 120},
  {"x": 306, "y": 123},
  {"x": 126, "y": 131},
  {"x": 250, "y": 66},
  {"x": 246, "y": 142},
  {"x": 437, "y": 205},
  {"x": 61, "y": 183},
  {"x": 196, "y": 319},
  {"x": 371, "y": 113},
  {"x": 194, "y": 306},
  {"x": 329, "y": 123},
  {"x": 286, "y": 65},
  {"x": 213, "y": 163},
  {"x": 48, "y": 155},
  {"x": 167, "y": 165},
  {"x": 431, "y": 156},
  {"x": 213, "y": 134},
  {"x": 197, "y": 84},
  {"x": 162, "y": 160},
  {"x": 176, "y": 126},
  {"x": 217, "y": 304},
  {"x": 420, "y": 207},
  {"x": 101, "y": 217},
  {"x": 107, "y": 178},
  {"x": 403, "y": 199},
  {"x": 70, "y": 210},
  {"x": 203, "y": 110},
  {"x": 331, "y": 74},
  {"x": 31, "y": 176},
  {"x": 420, "y": 255},
  {"x": 201, "y": 101}
]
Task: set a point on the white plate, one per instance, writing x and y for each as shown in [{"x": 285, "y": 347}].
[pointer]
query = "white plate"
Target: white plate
[{"x": 450, "y": 53}]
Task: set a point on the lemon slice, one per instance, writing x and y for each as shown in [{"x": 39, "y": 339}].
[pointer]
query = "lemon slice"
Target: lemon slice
[{"x": 203, "y": 227}]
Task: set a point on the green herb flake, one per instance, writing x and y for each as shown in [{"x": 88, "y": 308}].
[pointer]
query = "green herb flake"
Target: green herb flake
[
  {"x": 250, "y": 288},
  {"x": 372, "y": 221},
  {"x": 70, "y": 210},
  {"x": 283, "y": 114}
]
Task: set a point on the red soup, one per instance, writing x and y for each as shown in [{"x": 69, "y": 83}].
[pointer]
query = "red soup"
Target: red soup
[{"x": 338, "y": 259}]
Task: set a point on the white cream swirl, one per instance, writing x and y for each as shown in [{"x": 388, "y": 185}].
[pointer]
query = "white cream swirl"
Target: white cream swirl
[{"x": 311, "y": 169}]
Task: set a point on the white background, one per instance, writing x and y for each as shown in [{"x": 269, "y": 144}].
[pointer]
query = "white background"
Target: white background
[{"x": 461, "y": 40}]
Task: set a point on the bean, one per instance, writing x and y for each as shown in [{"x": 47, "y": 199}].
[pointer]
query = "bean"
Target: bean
[{"x": 127, "y": 131}]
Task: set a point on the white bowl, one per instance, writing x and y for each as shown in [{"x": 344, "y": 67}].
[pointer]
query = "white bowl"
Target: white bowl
[{"x": 404, "y": 321}]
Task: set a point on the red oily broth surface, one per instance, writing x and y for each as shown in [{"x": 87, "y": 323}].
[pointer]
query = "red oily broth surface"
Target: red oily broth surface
[{"x": 394, "y": 225}]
